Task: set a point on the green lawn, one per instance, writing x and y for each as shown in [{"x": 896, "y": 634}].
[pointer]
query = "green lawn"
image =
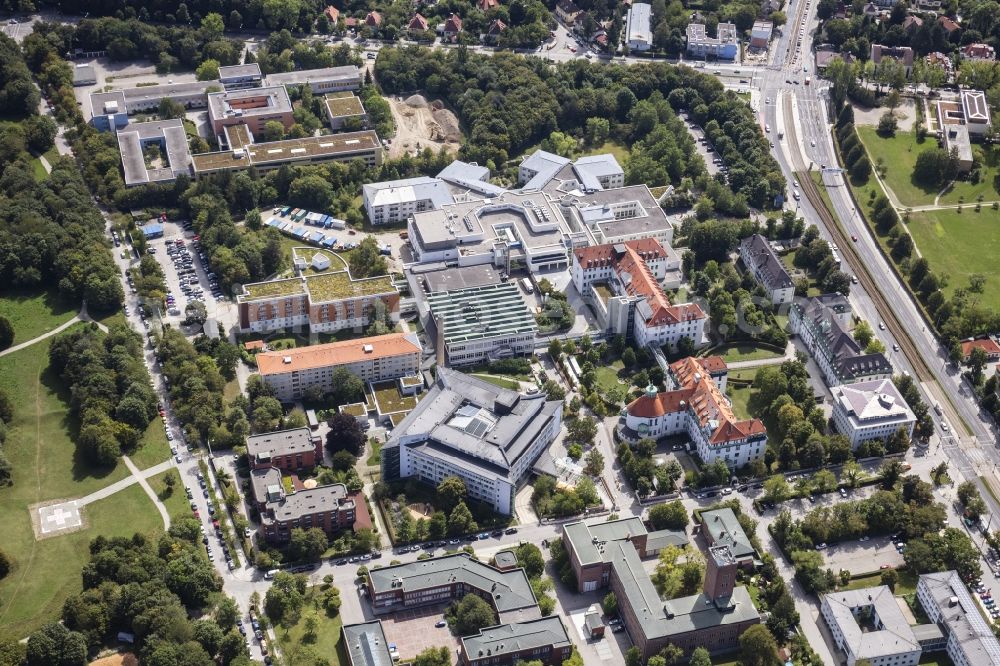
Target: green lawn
[
  {"x": 33, "y": 313},
  {"x": 46, "y": 467},
  {"x": 746, "y": 352},
  {"x": 740, "y": 397},
  {"x": 327, "y": 641},
  {"x": 38, "y": 171},
  {"x": 960, "y": 244},
  {"x": 964, "y": 191},
  {"x": 153, "y": 448},
  {"x": 608, "y": 376},
  {"x": 390, "y": 400},
  {"x": 499, "y": 380},
  {"x": 620, "y": 152},
  {"x": 376, "y": 457},
  {"x": 900, "y": 156},
  {"x": 907, "y": 583},
  {"x": 173, "y": 498}
]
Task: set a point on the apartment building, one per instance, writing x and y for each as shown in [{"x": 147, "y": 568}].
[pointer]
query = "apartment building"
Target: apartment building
[
  {"x": 441, "y": 579},
  {"x": 330, "y": 508},
  {"x": 292, "y": 372},
  {"x": 760, "y": 34},
  {"x": 483, "y": 323},
  {"x": 253, "y": 107},
  {"x": 700, "y": 409},
  {"x": 285, "y": 450},
  {"x": 823, "y": 322},
  {"x": 622, "y": 283},
  {"x": 396, "y": 200},
  {"x": 767, "y": 269},
  {"x": 713, "y": 619},
  {"x": 346, "y": 147},
  {"x": 544, "y": 640},
  {"x": 724, "y": 46},
  {"x": 237, "y": 77},
  {"x": 488, "y": 436},
  {"x": 638, "y": 30},
  {"x": 324, "y": 302},
  {"x": 901, "y": 54},
  {"x": 865, "y": 411},
  {"x": 868, "y": 626}
]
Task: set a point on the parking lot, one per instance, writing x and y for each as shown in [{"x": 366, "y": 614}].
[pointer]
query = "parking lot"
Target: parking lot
[
  {"x": 413, "y": 631},
  {"x": 860, "y": 557}
]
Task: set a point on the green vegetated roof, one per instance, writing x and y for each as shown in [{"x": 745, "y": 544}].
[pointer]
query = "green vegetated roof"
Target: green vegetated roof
[
  {"x": 261, "y": 290},
  {"x": 338, "y": 285}
]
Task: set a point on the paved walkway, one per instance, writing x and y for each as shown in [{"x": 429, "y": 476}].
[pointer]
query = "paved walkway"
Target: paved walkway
[
  {"x": 77, "y": 317},
  {"x": 137, "y": 476},
  {"x": 140, "y": 476}
]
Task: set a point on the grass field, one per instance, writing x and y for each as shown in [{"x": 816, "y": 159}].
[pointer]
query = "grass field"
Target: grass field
[
  {"x": 376, "y": 457},
  {"x": 907, "y": 583},
  {"x": 620, "y": 152},
  {"x": 46, "y": 467},
  {"x": 173, "y": 498},
  {"x": 327, "y": 641},
  {"x": 967, "y": 192},
  {"x": 899, "y": 155},
  {"x": 498, "y": 380},
  {"x": 747, "y": 352},
  {"x": 154, "y": 448},
  {"x": 608, "y": 376},
  {"x": 38, "y": 171},
  {"x": 960, "y": 244},
  {"x": 33, "y": 313}
]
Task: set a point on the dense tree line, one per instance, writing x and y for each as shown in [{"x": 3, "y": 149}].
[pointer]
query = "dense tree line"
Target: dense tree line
[
  {"x": 816, "y": 257},
  {"x": 508, "y": 103},
  {"x": 18, "y": 96},
  {"x": 195, "y": 385},
  {"x": 149, "y": 589},
  {"x": 297, "y": 15},
  {"x": 109, "y": 386}
]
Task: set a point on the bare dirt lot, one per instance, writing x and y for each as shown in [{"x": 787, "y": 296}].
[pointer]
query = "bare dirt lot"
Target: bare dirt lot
[{"x": 421, "y": 123}]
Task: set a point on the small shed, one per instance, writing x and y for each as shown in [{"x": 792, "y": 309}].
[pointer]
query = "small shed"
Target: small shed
[
  {"x": 84, "y": 75},
  {"x": 320, "y": 262},
  {"x": 311, "y": 419},
  {"x": 505, "y": 560},
  {"x": 254, "y": 346},
  {"x": 593, "y": 623}
]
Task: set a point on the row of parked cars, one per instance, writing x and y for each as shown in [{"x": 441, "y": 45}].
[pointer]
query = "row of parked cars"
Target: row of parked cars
[{"x": 454, "y": 541}]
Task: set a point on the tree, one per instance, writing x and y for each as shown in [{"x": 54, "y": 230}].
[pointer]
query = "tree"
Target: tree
[
  {"x": 433, "y": 656},
  {"x": 669, "y": 515},
  {"x": 6, "y": 333},
  {"x": 555, "y": 349},
  {"x": 776, "y": 488},
  {"x": 212, "y": 26},
  {"x": 343, "y": 461},
  {"x": 473, "y": 614},
  {"x": 55, "y": 645},
  {"x": 345, "y": 435},
  {"x": 195, "y": 312},
  {"x": 208, "y": 70},
  {"x": 438, "y": 527},
  {"x": 758, "y": 647},
  {"x": 889, "y": 578},
  {"x": 451, "y": 491},
  {"x": 610, "y": 604},
  {"x": 887, "y": 124},
  {"x": 226, "y": 613},
  {"x": 863, "y": 333},
  {"x": 366, "y": 260},
  {"x": 530, "y": 557},
  {"x": 581, "y": 430},
  {"x": 170, "y": 108},
  {"x": 700, "y": 657},
  {"x": 284, "y": 598},
  {"x": 633, "y": 657},
  {"x": 977, "y": 363},
  {"x": 347, "y": 387},
  {"x": 461, "y": 521},
  {"x": 5, "y": 565},
  {"x": 594, "y": 462},
  {"x": 628, "y": 357}
]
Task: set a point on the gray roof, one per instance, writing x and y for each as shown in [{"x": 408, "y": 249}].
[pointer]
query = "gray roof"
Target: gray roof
[
  {"x": 307, "y": 502},
  {"x": 957, "y": 137},
  {"x": 510, "y": 590},
  {"x": 835, "y": 343},
  {"x": 262, "y": 479},
  {"x": 894, "y": 636},
  {"x": 84, "y": 74},
  {"x": 659, "y": 540},
  {"x": 145, "y": 94},
  {"x": 659, "y": 618},
  {"x": 972, "y": 633},
  {"x": 438, "y": 276},
  {"x": 481, "y": 313},
  {"x": 875, "y": 400},
  {"x": 512, "y": 638},
  {"x": 588, "y": 169},
  {"x": 587, "y": 539},
  {"x": 597, "y": 209},
  {"x": 505, "y": 558},
  {"x": 239, "y": 71},
  {"x": 757, "y": 250},
  {"x": 471, "y": 176},
  {"x": 219, "y": 104},
  {"x": 135, "y": 136},
  {"x": 365, "y": 644},
  {"x": 638, "y": 23},
  {"x": 545, "y": 165},
  {"x": 724, "y": 529},
  {"x": 345, "y": 73},
  {"x": 280, "y": 443},
  {"x": 474, "y": 423},
  {"x": 408, "y": 190}
]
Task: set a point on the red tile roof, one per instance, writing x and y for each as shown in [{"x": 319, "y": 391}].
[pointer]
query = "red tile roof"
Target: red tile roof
[
  {"x": 453, "y": 24},
  {"x": 374, "y": 19},
  {"x": 991, "y": 348},
  {"x": 418, "y": 22},
  {"x": 486, "y": 5},
  {"x": 948, "y": 25},
  {"x": 700, "y": 394},
  {"x": 332, "y": 13}
]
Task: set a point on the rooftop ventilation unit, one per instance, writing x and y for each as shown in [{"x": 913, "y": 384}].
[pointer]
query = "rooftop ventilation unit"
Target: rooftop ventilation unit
[{"x": 286, "y": 360}]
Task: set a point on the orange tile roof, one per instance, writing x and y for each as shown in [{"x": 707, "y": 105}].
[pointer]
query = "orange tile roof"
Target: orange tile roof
[
  {"x": 418, "y": 22},
  {"x": 986, "y": 344},
  {"x": 643, "y": 283},
  {"x": 253, "y": 344},
  {"x": 335, "y": 353},
  {"x": 700, "y": 394}
]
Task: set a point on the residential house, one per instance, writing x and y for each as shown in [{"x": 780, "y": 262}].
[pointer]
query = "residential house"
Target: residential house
[
  {"x": 487, "y": 5},
  {"x": 286, "y": 450},
  {"x": 332, "y": 14},
  {"x": 494, "y": 30},
  {"x": 725, "y": 45},
  {"x": 417, "y": 24},
  {"x": 988, "y": 345},
  {"x": 767, "y": 268},
  {"x": 566, "y": 11},
  {"x": 699, "y": 408},
  {"x": 452, "y": 26},
  {"x": 912, "y": 23},
  {"x": 948, "y": 25},
  {"x": 978, "y": 51},
  {"x": 902, "y": 54},
  {"x": 373, "y": 20}
]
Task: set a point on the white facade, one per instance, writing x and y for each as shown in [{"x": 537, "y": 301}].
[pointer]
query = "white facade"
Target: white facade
[
  {"x": 639, "y": 34},
  {"x": 947, "y": 602},
  {"x": 396, "y": 200},
  {"x": 766, "y": 268},
  {"x": 870, "y": 410},
  {"x": 887, "y": 639},
  {"x": 495, "y": 491}
]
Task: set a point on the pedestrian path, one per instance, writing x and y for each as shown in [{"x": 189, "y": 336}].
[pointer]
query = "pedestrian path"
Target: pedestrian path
[
  {"x": 141, "y": 478},
  {"x": 56, "y": 331}
]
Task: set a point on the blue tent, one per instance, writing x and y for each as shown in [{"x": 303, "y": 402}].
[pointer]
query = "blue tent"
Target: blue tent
[
  {"x": 152, "y": 230},
  {"x": 316, "y": 236},
  {"x": 329, "y": 241}
]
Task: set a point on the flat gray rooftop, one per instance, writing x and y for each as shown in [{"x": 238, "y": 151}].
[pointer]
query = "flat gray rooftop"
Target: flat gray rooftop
[
  {"x": 307, "y": 502},
  {"x": 280, "y": 443},
  {"x": 239, "y": 71},
  {"x": 510, "y": 638},
  {"x": 220, "y": 104},
  {"x": 345, "y": 73},
  {"x": 365, "y": 644},
  {"x": 588, "y": 539},
  {"x": 510, "y": 590},
  {"x": 169, "y": 134},
  {"x": 436, "y": 277}
]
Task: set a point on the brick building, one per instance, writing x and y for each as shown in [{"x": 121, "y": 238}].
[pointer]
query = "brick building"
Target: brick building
[{"x": 286, "y": 450}]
